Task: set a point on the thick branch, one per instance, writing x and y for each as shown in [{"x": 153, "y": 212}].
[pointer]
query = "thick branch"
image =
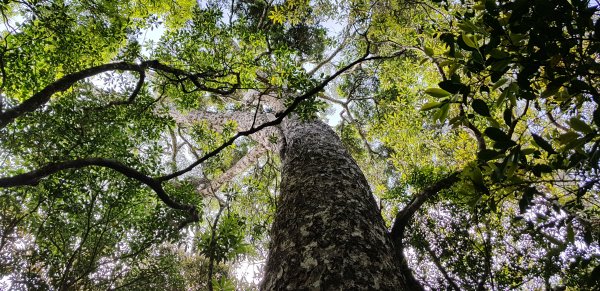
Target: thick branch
[
  {"x": 136, "y": 91},
  {"x": 212, "y": 246},
  {"x": 405, "y": 215},
  {"x": 32, "y": 178},
  {"x": 42, "y": 97}
]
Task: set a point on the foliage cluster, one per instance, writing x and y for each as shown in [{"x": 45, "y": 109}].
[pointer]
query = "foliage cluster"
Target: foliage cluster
[{"x": 113, "y": 140}]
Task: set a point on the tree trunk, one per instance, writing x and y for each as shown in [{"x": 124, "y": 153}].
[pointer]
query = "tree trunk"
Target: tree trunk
[{"x": 328, "y": 233}]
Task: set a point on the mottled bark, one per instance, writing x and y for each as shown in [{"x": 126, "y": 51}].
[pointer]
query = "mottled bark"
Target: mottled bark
[{"x": 328, "y": 233}]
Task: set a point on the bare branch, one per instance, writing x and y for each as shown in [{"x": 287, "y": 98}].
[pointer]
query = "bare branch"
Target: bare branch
[
  {"x": 352, "y": 120},
  {"x": 558, "y": 125}
]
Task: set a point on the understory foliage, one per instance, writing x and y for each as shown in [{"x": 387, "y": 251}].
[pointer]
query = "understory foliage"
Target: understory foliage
[{"x": 139, "y": 146}]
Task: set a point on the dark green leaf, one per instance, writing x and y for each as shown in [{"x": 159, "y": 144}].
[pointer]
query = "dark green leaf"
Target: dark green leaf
[
  {"x": 542, "y": 143},
  {"x": 568, "y": 137},
  {"x": 580, "y": 125},
  {"x": 496, "y": 134},
  {"x": 525, "y": 201},
  {"x": 552, "y": 87},
  {"x": 507, "y": 115},
  {"x": 540, "y": 169},
  {"x": 451, "y": 86},
  {"x": 487, "y": 155},
  {"x": 504, "y": 144},
  {"x": 480, "y": 107}
]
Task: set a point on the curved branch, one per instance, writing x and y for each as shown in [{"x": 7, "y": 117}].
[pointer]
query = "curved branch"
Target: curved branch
[
  {"x": 42, "y": 97},
  {"x": 405, "y": 215},
  {"x": 434, "y": 61},
  {"x": 352, "y": 120},
  {"x": 474, "y": 130},
  {"x": 245, "y": 120},
  {"x": 478, "y": 135},
  {"x": 136, "y": 91},
  {"x": 279, "y": 117},
  {"x": 32, "y": 178},
  {"x": 343, "y": 44}
]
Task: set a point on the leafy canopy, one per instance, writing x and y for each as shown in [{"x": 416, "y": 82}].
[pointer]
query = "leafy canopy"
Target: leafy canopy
[{"x": 135, "y": 154}]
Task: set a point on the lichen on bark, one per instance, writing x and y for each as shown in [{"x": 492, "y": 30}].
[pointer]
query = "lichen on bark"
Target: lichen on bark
[{"x": 328, "y": 233}]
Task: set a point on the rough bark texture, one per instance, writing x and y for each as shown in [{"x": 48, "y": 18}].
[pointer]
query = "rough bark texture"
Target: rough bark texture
[{"x": 328, "y": 233}]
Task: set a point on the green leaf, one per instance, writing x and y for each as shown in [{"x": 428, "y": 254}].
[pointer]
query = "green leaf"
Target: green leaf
[
  {"x": 580, "y": 125},
  {"x": 480, "y": 107},
  {"x": 525, "y": 201},
  {"x": 496, "y": 134},
  {"x": 499, "y": 83},
  {"x": 570, "y": 233},
  {"x": 575, "y": 144},
  {"x": 437, "y": 92},
  {"x": 568, "y": 137},
  {"x": 469, "y": 40},
  {"x": 543, "y": 143},
  {"x": 430, "y": 105},
  {"x": 442, "y": 113},
  {"x": 428, "y": 51},
  {"x": 487, "y": 155}
]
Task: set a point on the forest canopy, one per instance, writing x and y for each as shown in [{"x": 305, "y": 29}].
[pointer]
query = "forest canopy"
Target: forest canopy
[{"x": 141, "y": 145}]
